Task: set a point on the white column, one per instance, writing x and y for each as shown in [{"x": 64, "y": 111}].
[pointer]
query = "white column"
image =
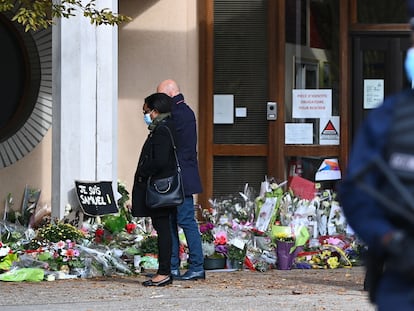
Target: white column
[{"x": 84, "y": 125}]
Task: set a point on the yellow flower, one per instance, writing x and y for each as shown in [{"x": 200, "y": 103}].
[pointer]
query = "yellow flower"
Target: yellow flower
[
  {"x": 333, "y": 262},
  {"x": 283, "y": 236}
]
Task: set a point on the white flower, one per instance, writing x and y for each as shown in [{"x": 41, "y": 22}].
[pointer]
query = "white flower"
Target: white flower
[
  {"x": 208, "y": 248},
  {"x": 274, "y": 186},
  {"x": 68, "y": 209},
  {"x": 4, "y": 250}
]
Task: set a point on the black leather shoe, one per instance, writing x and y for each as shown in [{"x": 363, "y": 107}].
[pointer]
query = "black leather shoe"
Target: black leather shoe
[
  {"x": 168, "y": 280},
  {"x": 192, "y": 276},
  {"x": 175, "y": 273}
]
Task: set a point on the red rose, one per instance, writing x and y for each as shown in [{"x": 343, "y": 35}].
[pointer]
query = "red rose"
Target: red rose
[
  {"x": 99, "y": 233},
  {"x": 130, "y": 227}
]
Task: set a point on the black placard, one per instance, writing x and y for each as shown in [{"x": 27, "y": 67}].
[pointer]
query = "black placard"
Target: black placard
[{"x": 96, "y": 197}]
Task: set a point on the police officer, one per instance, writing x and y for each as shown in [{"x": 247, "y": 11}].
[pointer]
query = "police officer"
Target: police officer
[{"x": 377, "y": 195}]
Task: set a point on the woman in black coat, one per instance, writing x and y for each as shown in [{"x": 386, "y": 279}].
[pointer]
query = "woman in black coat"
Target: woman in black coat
[{"x": 157, "y": 160}]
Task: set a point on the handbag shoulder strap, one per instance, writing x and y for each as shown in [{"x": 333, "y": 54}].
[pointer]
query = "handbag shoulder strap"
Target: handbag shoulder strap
[{"x": 174, "y": 148}]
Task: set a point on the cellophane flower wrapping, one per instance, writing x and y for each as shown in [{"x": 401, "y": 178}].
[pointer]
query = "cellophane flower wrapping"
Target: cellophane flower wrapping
[
  {"x": 232, "y": 219},
  {"x": 241, "y": 220},
  {"x": 23, "y": 274}
]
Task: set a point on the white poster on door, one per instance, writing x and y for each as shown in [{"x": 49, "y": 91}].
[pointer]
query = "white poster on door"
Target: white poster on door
[
  {"x": 311, "y": 103},
  {"x": 223, "y": 109},
  {"x": 298, "y": 133},
  {"x": 373, "y": 93}
]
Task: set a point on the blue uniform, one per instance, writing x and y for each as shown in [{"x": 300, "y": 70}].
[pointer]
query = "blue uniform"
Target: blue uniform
[{"x": 364, "y": 214}]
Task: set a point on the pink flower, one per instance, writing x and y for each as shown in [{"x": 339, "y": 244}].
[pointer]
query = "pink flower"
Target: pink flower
[
  {"x": 333, "y": 241},
  {"x": 70, "y": 244},
  {"x": 70, "y": 252},
  {"x": 220, "y": 238},
  {"x": 60, "y": 244}
]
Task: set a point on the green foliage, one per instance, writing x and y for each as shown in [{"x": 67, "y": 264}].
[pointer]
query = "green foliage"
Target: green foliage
[
  {"x": 124, "y": 194},
  {"x": 123, "y": 209},
  {"x": 149, "y": 245},
  {"x": 216, "y": 256},
  {"x": 39, "y": 14},
  {"x": 114, "y": 223},
  {"x": 236, "y": 253}
]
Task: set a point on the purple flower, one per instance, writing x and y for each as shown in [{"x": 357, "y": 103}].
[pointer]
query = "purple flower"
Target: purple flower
[
  {"x": 206, "y": 227},
  {"x": 222, "y": 249}
]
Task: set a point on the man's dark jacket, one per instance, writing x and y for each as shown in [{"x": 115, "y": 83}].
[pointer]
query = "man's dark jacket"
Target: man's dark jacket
[{"x": 186, "y": 131}]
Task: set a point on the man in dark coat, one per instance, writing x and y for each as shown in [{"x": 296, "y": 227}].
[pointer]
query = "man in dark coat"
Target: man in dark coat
[{"x": 186, "y": 127}]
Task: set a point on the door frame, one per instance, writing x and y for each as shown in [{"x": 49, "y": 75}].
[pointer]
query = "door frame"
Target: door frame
[
  {"x": 393, "y": 44},
  {"x": 276, "y": 150}
]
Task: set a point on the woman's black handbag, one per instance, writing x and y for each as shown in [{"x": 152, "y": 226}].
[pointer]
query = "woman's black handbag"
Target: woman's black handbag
[{"x": 168, "y": 191}]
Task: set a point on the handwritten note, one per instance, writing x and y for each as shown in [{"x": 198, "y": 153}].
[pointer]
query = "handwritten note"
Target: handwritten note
[{"x": 96, "y": 197}]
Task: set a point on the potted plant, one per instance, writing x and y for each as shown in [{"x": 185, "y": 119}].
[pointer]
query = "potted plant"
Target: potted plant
[
  {"x": 236, "y": 256},
  {"x": 149, "y": 246},
  {"x": 214, "y": 247}
]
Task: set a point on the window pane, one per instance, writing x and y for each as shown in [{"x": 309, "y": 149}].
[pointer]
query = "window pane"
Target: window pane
[
  {"x": 382, "y": 11},
  {"x": 241, "y": 68},
  {"x": 232, "y": 173},
  {"x": 312, "y": 64},
  {"x": 373, "y": 65}
]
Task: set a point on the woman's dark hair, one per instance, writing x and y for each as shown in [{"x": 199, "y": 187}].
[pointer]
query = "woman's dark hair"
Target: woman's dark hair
[{"x": 160, "y": 102}]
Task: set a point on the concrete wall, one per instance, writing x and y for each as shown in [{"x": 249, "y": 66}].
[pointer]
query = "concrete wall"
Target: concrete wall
[
  {"x": 161, "y": 42},
  {"x": 34, "y": 170}
]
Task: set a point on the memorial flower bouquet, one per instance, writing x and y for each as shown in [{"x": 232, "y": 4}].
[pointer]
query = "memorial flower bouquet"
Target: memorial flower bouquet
[
  {"x": 328, "y": 257},
  {"x": 60, "y": 231},
  {"x": 225, "y": 210},
  {"x": 325, "y": 259},
  {"x": 235, "y": 253},
  {"x": 214, "y": 244},
  {"x": 284, "y": 237},
  {"x": 61, "y": 256}
]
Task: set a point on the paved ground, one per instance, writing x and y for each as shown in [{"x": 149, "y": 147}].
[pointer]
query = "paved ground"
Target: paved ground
[{"x": 307, "y": 290}]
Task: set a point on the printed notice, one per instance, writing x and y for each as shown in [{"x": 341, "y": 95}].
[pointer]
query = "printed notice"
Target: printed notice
[
  {"x": 373, "y": 93},
  {"x": 299, "y": 133},
  {"x": 223, "y": 109},
  {"x": 311, "y": 103}
]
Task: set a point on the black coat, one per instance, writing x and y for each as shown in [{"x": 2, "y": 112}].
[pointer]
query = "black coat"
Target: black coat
[
  {"x": 186, "y": 129},
  {"x": 156, "y": 159}
]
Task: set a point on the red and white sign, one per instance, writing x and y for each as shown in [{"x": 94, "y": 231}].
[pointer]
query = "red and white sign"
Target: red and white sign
[
  {"x": 311, "y": 103},
  {"x": 329, "y": 131}
]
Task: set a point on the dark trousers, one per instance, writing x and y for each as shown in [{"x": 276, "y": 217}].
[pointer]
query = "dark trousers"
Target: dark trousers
[{"x": 162, "y": 226}]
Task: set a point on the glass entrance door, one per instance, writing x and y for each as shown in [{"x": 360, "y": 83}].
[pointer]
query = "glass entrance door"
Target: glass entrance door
[{"x": 378, "y": 71}]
